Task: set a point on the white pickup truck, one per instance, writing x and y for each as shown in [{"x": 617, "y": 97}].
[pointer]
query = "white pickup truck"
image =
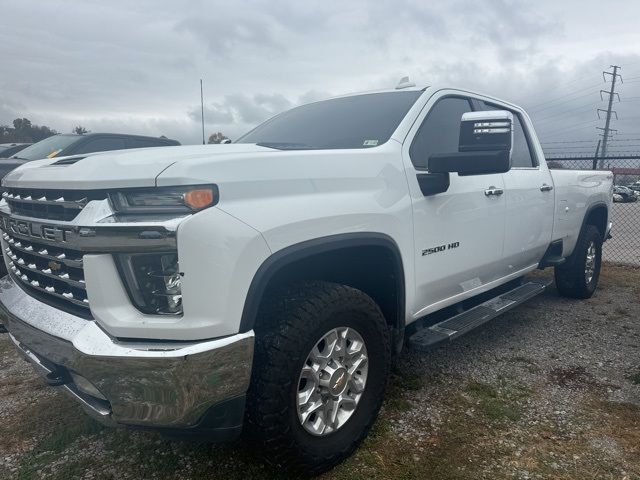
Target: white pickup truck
[{"x": 267, "y": 284}]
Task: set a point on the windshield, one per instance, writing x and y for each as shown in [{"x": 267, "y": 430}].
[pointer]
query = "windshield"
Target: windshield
[
  {"x": 47, "y": 148},
  {"x": 359, "y": 121}
]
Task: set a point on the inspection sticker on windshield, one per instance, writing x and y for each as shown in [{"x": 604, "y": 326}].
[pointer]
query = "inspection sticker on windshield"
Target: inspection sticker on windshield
[{"x": 370, "y": 143}]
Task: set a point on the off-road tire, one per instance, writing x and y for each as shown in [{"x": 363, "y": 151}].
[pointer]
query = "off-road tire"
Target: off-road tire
[
  {"x": 570, "y": 277},
  {"x": 289, "y": 324}
]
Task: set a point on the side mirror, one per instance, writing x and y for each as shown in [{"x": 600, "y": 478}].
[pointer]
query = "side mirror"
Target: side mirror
[{"x": 484, "y": 146}]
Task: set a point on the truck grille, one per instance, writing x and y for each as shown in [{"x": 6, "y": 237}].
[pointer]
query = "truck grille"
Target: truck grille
[
  {"x": 48, "y": 204},
  {"x": 50, "y": 273}
]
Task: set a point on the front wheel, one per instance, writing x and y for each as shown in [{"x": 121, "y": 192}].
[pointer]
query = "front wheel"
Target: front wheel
[
  {"x": 321, "y": 364},
  {"x": 578, "y": 278}
]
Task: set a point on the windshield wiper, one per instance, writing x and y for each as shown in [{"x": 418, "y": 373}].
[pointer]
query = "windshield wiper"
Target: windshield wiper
[
  {"x": 17, "y": 158},
  {"x": 285, "y": 146}
]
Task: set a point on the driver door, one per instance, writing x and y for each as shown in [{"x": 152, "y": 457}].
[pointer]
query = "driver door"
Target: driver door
[{"x": 459, "y": 233}]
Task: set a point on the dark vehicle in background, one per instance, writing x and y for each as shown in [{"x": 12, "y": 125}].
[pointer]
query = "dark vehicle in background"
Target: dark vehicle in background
[
  {"x": 9, "y": 149},
  {"x": 624, "y": 194},
  {"x": 72, "y": 144}
]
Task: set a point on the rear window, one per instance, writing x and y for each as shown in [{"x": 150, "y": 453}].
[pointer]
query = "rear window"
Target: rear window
[{"x": 360, "y": 121}]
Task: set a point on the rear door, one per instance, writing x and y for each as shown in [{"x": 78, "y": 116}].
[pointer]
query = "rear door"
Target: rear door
[
  {"x": 459, "y": 233},
  {"x": 529, "y": 198}
]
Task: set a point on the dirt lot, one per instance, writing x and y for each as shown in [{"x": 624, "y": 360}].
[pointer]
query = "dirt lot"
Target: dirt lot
[{"x": 550, "y": 390}]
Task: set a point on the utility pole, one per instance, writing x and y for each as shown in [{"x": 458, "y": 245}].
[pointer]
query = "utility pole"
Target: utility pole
[
  {"x": 607, "y": 123},
  {"x": 202, "y": 109}
]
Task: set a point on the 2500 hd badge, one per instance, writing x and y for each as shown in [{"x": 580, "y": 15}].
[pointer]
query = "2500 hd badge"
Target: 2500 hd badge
[{"x": 440, "y": 248}]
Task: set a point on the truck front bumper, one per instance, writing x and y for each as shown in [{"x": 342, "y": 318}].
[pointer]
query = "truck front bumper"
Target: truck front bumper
[{"x": 173, "y": 386}]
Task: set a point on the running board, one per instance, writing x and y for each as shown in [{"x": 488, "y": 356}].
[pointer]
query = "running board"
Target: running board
[{"x": 451, "y": 328}]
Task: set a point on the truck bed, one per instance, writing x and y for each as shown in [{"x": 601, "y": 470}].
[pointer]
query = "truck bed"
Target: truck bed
[{"x": 575, "y": 192}]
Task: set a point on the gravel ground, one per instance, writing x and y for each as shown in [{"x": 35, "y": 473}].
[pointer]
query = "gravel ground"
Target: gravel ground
[{"x": 549, "y": 390}]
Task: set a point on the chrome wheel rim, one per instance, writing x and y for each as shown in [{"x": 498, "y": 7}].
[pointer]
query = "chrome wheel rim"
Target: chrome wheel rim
[
  {"x": 590, "y": 264},
  {"x": 332, "y": 381}
]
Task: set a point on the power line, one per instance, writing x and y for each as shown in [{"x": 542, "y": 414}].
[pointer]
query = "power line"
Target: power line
[
  {"x": 568, "y": 127},
  {"x": 563, "y": 131},
  {"x": 571, "y": 112},
  {"x": 568, "y": 141},
  {"x": 564, "y": 97},
  {"x": 566, "y": 100}
]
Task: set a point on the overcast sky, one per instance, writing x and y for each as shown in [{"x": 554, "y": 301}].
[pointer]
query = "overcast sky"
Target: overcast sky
[{"x": 135, "y": 66}]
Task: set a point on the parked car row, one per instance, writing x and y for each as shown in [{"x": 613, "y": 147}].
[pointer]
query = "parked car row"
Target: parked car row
[
  {"x": 624, "y": 194},
  {"x": 64, "y": 145},
  {"x": 9, "y": 149}
]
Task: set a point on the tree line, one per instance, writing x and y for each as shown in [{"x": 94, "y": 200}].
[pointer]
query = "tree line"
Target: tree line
[{"x": 23, "y": 131}]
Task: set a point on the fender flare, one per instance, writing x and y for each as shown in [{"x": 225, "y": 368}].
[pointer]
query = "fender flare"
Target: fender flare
[
  {"x": 590, "y": 210},
  {"x": 302, "y": 250}
]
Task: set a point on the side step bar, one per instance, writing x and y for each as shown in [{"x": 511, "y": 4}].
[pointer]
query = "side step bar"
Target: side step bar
[{"x": 451, "y": 328}]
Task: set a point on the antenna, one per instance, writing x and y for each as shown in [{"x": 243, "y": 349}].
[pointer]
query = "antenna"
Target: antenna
[{"x": 202, "y": 110}]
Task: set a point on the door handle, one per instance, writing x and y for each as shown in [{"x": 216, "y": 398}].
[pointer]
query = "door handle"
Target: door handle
[
  {"x": 546, "y": 188},
  {"x": 493, "y": 191}
]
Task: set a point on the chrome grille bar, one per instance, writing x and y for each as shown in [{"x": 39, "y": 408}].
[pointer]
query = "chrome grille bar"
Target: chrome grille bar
[
  {"x": 60, "y": 201},
  {"x": 48, "y": 290},
  {"x": 49, "y": 204},
  {"x": 41, "y": 251},
  {"x": 53, "y": 272},
  {"x": 32, "y": 268}
]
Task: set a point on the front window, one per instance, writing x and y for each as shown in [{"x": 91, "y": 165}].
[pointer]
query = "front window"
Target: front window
[
  {"x": 359, "y": 121},
  {"x": 47, "y": 148}
]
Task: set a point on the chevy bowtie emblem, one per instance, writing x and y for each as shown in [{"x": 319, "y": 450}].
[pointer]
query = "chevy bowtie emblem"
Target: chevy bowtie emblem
[
  {"x": 339, "y": 381},
  {"x": 54, "y": 265}
]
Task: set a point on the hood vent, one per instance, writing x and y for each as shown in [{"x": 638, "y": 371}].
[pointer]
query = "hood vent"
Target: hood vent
[{"x": 68, "y": 161}]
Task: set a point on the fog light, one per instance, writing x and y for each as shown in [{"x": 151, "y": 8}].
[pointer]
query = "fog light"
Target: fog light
[
  {"x": 173, "y": 292},
  {"x": 154, "y": 282}
]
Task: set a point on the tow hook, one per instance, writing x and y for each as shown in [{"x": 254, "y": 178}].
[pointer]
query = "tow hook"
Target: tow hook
[{"x": 57, "y": 378}]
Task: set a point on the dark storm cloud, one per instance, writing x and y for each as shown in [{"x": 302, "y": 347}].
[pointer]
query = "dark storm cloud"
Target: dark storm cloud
[{"x": 135, "y": 66}]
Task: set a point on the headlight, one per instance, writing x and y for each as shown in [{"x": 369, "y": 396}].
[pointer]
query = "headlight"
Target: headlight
[
  {"x": 163, "y": 200},
  {"x": 153, "y": 281}
]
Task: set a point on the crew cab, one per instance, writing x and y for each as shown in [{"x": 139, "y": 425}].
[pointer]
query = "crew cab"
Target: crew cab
[{"x": 267, "y": 284}]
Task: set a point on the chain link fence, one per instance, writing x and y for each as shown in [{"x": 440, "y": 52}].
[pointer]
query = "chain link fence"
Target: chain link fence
[{"x": 624, "y": 247}]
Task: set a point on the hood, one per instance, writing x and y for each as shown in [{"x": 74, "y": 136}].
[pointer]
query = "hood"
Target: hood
[{"x": 117, "y": 169}]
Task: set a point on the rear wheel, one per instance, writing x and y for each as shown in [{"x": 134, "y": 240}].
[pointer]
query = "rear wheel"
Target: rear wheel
[
  {"x": 320, "y": 369},
  {"x": 578, "y": 278}
]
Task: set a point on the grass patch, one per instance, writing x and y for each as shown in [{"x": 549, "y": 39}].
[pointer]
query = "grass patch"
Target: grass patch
[
  {"x": 397, "y": 403},
  {"x": 634, "y": 378},
  {"x": 64, "y": 434},
  {"x": 498, "y": 403}
]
